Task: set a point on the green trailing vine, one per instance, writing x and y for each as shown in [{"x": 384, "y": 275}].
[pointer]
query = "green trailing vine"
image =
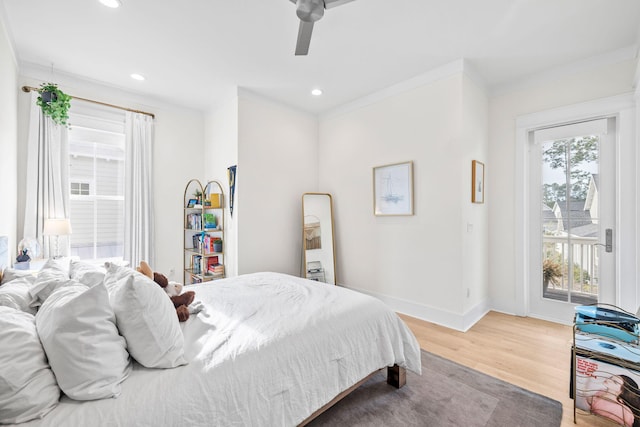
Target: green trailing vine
[{"x": 54, "y": 103}]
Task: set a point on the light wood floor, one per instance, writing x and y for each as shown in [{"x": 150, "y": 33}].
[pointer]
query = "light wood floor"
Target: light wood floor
[{"x": 531, "y": 353}]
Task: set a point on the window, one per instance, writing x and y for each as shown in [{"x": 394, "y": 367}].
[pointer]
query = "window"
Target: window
[
  {"x": 96, "y": 182},
  {"x": 80, "y": 188}
]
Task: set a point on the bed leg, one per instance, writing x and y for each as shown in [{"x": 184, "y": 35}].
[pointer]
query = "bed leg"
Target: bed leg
[{"x": 396, "y": 376}]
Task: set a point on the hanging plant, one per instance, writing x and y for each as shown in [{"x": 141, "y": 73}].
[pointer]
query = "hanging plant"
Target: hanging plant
[{"x": 54, "y": 103}]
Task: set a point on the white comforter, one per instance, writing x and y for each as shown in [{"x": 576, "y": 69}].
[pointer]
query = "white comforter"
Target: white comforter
[{"x": 269, "y": 350}]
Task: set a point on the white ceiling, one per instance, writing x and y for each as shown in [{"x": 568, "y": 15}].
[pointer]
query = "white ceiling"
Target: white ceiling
[{"x": 193, "y": 52}]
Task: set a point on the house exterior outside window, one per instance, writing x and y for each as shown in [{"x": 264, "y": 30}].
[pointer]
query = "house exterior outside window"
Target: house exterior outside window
[{"x": 96, "y": 183}]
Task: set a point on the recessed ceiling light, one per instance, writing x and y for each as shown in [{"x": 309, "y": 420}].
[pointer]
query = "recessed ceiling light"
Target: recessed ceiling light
[
  {"x": 111, "y": 3},
  {"x": 136, "y": 76},
  {"x": 316, "y": 92}
]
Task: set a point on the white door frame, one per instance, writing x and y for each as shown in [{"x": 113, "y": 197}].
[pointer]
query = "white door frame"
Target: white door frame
[{"x": 625, "y": 239}]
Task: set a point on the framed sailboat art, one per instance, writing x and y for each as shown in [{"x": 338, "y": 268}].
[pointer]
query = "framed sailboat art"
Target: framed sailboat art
[{"x": 393, "y": 189}]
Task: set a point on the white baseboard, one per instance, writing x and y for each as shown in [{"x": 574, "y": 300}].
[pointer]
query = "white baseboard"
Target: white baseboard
[
  {"x": 477, "y": 312},
  {"x": 459, "y": 322}
]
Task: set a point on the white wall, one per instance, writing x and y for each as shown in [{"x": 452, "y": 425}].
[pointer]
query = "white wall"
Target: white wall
[
  {"x": 590, "y": 84},
  {"x": 8, "y": 143},
  {"x": 277, "y": 162},
  {"x": 221, "y": 151},
  {"x": 422, "y": 264},
  {"x": 177, "y": 157},
  {"x": 474, "y": 227}
]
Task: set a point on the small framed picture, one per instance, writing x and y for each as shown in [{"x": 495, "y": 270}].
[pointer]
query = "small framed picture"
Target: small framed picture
[
  {"x": 393, "y": 189},
  {"x": 477, "y": 182},
  {"x": 192, "y": 203}
]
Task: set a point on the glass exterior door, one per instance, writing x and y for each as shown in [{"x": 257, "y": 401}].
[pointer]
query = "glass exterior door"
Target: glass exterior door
[
  {"x": 574, "y": 194},
  {"x": 570, "y": 172}
]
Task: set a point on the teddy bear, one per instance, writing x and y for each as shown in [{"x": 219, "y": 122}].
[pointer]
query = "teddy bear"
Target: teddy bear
[{"x": 180, "y": 301}]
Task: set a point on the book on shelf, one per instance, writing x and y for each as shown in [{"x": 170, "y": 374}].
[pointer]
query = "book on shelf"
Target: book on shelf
[
  {"x": 215, "y": 200},
  {"x": 213, "y": 260},
  {"x": 216, "y": 269},
  {"x": 196, "y": 262},
  {"x": 194, "y": 221},
  {"x": 208, "y": 242},
  {"x": 210, "y": 220},
  {"x": 197, "y": 241}
]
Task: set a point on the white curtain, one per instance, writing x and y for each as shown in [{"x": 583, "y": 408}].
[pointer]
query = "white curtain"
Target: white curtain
[
  {"x": 47, "y": 189},
  {"x": 138, "y": 201}
]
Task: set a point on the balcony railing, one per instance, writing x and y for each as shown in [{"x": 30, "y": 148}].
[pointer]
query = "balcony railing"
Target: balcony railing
[{"x": 582, "y": 272}]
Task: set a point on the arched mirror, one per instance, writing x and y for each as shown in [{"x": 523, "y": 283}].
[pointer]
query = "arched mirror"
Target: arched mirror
[{"x": 319, "y": 255}]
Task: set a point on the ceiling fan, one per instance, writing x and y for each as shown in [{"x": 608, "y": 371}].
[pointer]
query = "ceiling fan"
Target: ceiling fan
[{"x": 309, "y": 11}]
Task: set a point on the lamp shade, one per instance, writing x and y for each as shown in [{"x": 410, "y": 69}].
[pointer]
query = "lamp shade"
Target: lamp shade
[{"x": 57, "y": 227}]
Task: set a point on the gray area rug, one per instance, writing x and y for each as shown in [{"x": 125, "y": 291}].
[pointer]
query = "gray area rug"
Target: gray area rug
[{"x": 447, "y": 394}]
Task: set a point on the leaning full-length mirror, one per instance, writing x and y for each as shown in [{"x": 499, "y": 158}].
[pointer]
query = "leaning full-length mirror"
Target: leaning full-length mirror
[{"x": 317, "y": 238}]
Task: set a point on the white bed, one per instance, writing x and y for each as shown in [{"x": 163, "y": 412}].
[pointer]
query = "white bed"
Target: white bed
[{"x": 268, "y": 350}]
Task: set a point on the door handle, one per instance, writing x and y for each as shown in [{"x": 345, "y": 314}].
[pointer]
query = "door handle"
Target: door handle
[{"x": 608, "y": 240}]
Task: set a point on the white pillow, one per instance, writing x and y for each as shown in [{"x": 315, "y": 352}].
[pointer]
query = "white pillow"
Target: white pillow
[
  {"x": 86, "y": 273},
  {"x": 114, "y": 273},
  {"x": 10, "y": 274},
  {"x": 77, "y": 328},
  {"x": 16, "y": 294},
  {"x": 28, "y": 388},
  {"x": 146, "y": 318},
  {"x": 53, "y": 275}
]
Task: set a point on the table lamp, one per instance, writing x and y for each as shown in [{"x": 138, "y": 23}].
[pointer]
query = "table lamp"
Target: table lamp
[{"x": 56, "y": 228}]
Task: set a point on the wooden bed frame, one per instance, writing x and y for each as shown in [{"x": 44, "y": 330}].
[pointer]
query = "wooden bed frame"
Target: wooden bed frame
[{"x": 396, "y": 376}]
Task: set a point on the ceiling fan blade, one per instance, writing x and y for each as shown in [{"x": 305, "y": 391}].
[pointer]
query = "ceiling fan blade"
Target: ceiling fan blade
[
  {"x": 328, "y": 4},
  {"x": 304, "y": 37}
]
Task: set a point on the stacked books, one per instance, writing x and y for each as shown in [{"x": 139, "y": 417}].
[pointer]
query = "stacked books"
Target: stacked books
[{"x": 216, "y": 270}]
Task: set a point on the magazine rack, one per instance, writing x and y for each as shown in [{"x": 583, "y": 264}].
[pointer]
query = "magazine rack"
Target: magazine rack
[{"x": 605, "y": 363}]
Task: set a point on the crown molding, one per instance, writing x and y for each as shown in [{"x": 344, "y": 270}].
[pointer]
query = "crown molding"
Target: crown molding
[
  {"x": 591, "y": 63},
  {"x": 459, "y": 66}
]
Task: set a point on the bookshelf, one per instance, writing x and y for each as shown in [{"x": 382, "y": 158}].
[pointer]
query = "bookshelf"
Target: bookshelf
[{"x": 203, "y": 226}]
